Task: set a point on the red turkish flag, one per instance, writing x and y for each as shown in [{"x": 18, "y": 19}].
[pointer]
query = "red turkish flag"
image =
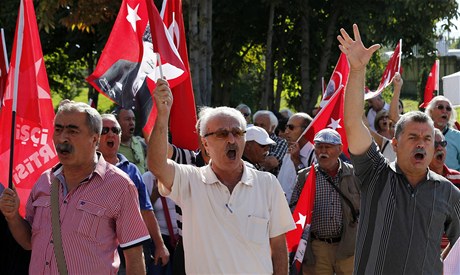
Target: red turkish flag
[
  {"x": 128, "y": 67},
  {"x": 393, "y": 66},
  {"x": 432, "y": 84},
  {"x": 330, "y": 116},
  {"x": 338, "y": 79},
  {"x": 297, "y": 238},
  {"x": 34, "y": 150},
  {"x": 183, "y": 112},
  {"x": 3, "y": 65}
]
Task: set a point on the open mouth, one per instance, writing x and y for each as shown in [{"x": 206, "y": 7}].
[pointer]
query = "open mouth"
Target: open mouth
[
  {"x": 439, "y": 155},
  {"x": 110, "y": 144},
  {"x": 131, "y": 130},
  {"x": 231, "y": 154},
  {"x": 419, "y": 156},
  {"x": 444, "y": 117}
]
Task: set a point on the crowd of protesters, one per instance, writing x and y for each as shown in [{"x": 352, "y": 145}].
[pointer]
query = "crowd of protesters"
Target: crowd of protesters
[{"x": 117, "y": 203}]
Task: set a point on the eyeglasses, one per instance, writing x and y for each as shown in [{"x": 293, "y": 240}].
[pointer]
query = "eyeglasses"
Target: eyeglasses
[
  {"x": 115, "y": 130},
  {"x": 443, "y": 143},
  {"x": 246, "y": 114},
  {"x": 223, "y": 133},
  {"x": 292, "y": 127},
  {"x": 441, "y": 107}
]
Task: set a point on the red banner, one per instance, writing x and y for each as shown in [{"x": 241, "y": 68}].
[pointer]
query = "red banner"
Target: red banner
[
  {"x": 432, "y": 84},
  {"x": 183, "y": 112},
  {"x": 128, "y": 67},
  {"x": 34, "y": 150}
]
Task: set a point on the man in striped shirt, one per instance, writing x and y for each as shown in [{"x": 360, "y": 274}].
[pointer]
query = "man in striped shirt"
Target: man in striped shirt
[
  {"x": 98, "y": 205},
  {"x": 405, "y": 207}
]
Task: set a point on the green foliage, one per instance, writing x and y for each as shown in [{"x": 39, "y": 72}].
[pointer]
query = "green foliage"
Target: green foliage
[{"x": 66, "y": 77}]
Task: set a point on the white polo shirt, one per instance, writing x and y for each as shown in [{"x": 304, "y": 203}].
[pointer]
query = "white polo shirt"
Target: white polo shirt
[{"x": 229, "y": 233}]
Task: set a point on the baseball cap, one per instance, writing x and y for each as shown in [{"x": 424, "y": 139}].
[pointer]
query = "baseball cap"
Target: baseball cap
[
  {"x": 259, "y": 135},
  {"x": 329, "y": 136}
]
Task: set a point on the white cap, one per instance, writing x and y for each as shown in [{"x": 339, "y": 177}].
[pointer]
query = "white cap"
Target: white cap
[{"x": 259, "y": 135}]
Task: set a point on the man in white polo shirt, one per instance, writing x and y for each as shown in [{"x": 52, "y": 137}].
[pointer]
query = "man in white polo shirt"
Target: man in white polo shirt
[{"x": 234, "y": 217}]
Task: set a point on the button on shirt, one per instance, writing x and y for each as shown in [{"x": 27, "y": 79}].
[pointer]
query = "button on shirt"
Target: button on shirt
[
  {"x": 327, "y": 212},
  {"x": 96, "y": 216},
  {"x": 227, "y": 233}
]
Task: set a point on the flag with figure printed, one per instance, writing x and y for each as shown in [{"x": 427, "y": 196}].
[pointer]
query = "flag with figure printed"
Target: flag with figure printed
[
  {"x": 393, "y": 66},
  {"x": 432, "y": 84},
  {"x": 297, "y": 238},
  {"x": 34, "y": 150},
  {"x": 338, "y": 79},
  {"x": 128, "y": 67},
  {"x": 182, "y": 127}
]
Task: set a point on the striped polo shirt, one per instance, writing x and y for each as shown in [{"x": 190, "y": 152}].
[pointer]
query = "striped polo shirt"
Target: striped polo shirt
[
  {"x": 96, "y": 217},
  {"x": 401, "y": 226}
]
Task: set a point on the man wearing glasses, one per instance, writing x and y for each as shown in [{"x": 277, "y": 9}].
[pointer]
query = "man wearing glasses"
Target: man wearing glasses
[
  {"x": 234, "y": 217},
  {"x": 300, "y": 152},
  {"x": 443, "y": 115},
  {"x": 108, "y": 145},
  {"x": 437, "y": 164}
]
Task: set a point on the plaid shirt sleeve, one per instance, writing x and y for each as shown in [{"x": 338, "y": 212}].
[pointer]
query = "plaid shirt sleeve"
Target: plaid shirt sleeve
[{"x": 280, "y": 149}]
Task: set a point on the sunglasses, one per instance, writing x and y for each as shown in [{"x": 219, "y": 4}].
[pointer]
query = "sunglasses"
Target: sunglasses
[
  {"x": 223, "y": 133},
  {"x": 443, "y": 143},
  {"x": 115, "y": 130},
  {"x": 292, "y": 127},
  {"x": 441, "y": 107}
]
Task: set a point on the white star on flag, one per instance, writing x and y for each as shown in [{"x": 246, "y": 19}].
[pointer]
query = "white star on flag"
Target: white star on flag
[
  {"x": 132, "y": 16},
  {"x": 301, "y": 220},
  {"x": 42, "y": 93},
  {"x": 334, "y": 124}
]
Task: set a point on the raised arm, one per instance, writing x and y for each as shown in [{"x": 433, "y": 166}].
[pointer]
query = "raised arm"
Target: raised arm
[
  {"x": 158, "y": 143},
  {"x": 359, "y": 138},
  {"x": 394, "y": 104}
]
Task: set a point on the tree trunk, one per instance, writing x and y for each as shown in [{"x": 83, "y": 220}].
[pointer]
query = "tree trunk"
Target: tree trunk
[
  {"x": 326, "y": 54},
  {"x": 209, "y": 53},
  {"x": 194, "y": 57},
  {"x": 305, "y": 55},
  {"x": 268, "y": 94}
]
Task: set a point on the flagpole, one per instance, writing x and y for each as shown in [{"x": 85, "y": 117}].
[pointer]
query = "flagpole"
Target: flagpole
[
  {"x": 15, "y": 90},
  {"x": 4, "y": 50}
]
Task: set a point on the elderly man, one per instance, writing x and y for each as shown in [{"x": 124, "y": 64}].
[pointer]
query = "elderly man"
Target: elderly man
[
  {"x": 108, "y": 146},
  {"x": 267, "y": 120},
  {"x": 257, "y": 146},
  {"x": 331, "y": 244},
  {"x": 132, "y": 147},
  {"x": 225, "y": 204},
  {"x": 300, "y": 152},
  {"x": 245, "y": 111},
  {"x": 405, "y": 207},
  {"x": 441, "y": 111},
  {"x": 437, "y": 164},
  {"x": 96, "y": 202}
]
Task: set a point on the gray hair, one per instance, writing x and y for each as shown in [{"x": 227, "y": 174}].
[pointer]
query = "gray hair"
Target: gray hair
[
  {"x": 434, "y": 102},
  {"x": 242, "y": 106},
  {"x": 93, "y": 118},
  {"x": 438, "y": 132},
  {"x": 270, "y": 114},
  {"x": 413, "y": 116},
  {"x": 306, "y": 118},
  {"x": 207, "y": 113},
  {"x": 111, "y": 117}
]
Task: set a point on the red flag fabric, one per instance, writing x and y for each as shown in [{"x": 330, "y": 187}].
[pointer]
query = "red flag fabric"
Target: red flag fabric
[
  {"x": 3, "y": 66},
  {"x": 182, "y": 127},
  {"x": 34, "y": 150},
  {"x": 432, "y": 84},
  {"x": 297, "y": 238},
  {"x": 128, "y": 67},
  {"x": 330, "y": 116},
  {"x": 393, "y": 66},
  {"x": 338, "y": 79}
]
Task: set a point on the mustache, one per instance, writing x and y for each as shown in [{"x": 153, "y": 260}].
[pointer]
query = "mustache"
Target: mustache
[
  {"x": 231, "y": 147},
  {"x": 64, "y": 147},
  {"x": 419, "y": 151},
  {"x": 438, "y": 153},
  {"x": 323, "y": 155}
]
